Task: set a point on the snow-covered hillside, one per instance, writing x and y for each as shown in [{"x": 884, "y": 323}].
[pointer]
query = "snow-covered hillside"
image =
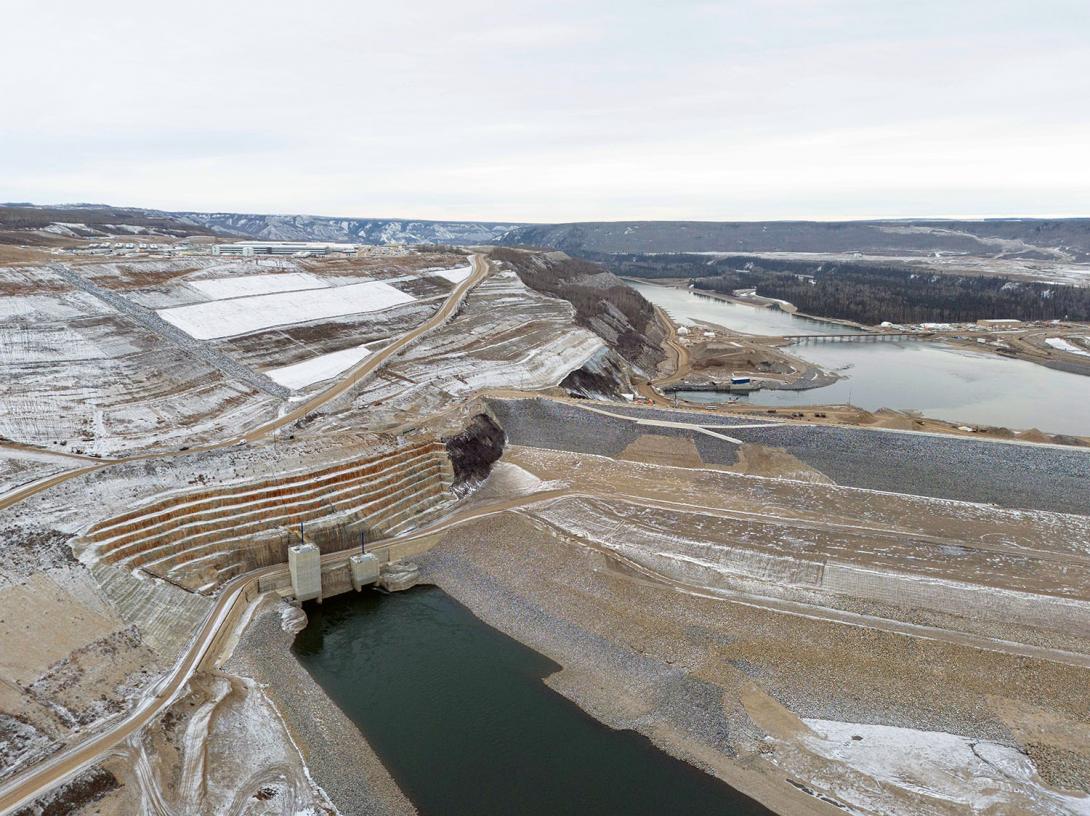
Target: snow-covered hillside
[{"x": 354, "y": 230}]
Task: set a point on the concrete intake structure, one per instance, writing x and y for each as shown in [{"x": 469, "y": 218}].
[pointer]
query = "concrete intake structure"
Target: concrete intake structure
[
  {"x": 365, "y": 570},
  {"x": 305, "y": 566}
]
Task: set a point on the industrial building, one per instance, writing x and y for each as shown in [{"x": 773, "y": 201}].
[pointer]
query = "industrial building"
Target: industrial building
[{"x": 281, "y": 248}]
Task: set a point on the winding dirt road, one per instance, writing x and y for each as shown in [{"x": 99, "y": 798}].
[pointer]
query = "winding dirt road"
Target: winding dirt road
[
  {"x": 41, "y": 778},
  {"x": 202, "y": 653},
  {"x": 681, "y": 363},
  {"x": 354, "y": 376},
  {"x": 375, "y": 361}
]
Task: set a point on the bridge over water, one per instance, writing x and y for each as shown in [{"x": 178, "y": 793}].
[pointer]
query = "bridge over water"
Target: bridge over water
[{"x": 859, "y": 337}]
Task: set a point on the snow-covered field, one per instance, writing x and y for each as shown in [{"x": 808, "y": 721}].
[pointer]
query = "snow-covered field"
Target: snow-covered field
[
  {"x": 455, "y": 276},
  {"x": 221, "y": 288},
  {"x": 319, "y": 368},
  {"x": 1060, "y": 344},
  {"x": 225, "y": 318},
  {"x": 978, "y": 775}
]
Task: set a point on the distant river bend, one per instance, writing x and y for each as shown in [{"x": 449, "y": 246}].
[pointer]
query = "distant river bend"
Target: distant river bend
[{"x": 937, "y": 380}]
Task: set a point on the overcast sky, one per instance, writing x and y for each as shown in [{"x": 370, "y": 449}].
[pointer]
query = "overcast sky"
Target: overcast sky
[{"x": 551, "y": 111}]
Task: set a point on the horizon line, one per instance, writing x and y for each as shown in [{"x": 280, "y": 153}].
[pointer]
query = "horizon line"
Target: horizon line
[{"x": 610, "y": 220}]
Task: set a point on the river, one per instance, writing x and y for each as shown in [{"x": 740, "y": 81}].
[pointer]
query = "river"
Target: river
[
  {"x": 935, "y": 379},
  {"x": 686, "y": 308},
  {"x": 461, "y": 718}
]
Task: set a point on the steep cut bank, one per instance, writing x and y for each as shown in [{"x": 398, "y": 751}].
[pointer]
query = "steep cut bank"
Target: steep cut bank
[
  {"x": 602, "y": 302},
  {"x": 603, "y": 376},
  {"x": 473, "y": 451}
]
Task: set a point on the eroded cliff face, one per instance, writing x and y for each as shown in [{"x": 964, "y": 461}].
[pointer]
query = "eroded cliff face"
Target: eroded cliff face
[
  {"x": 618, "y": 314},
  {"x": 603, "y": 376},
  {"x": 473, "y": 451}
]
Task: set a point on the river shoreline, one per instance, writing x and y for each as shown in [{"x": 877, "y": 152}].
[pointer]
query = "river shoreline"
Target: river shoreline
[
  {"x": 342, "y": 762},
  {"x": 980, "y": 382},
  {"x": 719, "y": 684},
  {"x": 336, "y": 754},
  {"x": 1030, "y": 349}
]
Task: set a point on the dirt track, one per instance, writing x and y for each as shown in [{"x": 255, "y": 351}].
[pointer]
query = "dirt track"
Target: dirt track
[
  {"x": 353, "y": 377},
  {"x": 203, "y": 653},
  {"x": 224, "y": 617}
]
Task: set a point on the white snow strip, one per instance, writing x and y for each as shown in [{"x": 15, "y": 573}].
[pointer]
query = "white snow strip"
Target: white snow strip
[
  {"x": 977, "y": 774},
  {"x": 455, "y": 276},
  {"x": 220, "y": 288},
  {"x": 225, "y": 318},
  {"x": 316, "y": 369},
  {"x": 1062, "y": 345}
]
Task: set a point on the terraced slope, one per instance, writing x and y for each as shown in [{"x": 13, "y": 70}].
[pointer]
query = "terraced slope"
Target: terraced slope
[{"x": 199, "y": 539}]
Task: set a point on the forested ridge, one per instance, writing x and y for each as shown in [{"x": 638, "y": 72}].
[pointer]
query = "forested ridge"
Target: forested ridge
[
  {"x": 866, "y": 292},
  {"x": 602, "y": 303}
]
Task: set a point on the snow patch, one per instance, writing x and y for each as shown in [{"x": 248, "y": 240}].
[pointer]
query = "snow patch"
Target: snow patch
[
  {"x": 1062, "y": 345},
  {"x": 316, "y": 369},
  {"x": 225, "y": 318},
  {"x": 221, "y": 288},
  {"x": 974, "y": 773},
  {"x": 455, "y": 276}
]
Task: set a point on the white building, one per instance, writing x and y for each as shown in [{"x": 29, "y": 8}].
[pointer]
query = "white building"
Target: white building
[{"x": 281, "y": 248}]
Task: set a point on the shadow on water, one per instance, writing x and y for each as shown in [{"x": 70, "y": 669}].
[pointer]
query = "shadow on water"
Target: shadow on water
[{"x": 459, "y": 715}]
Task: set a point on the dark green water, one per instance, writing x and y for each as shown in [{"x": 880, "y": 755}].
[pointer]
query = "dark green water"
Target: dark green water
[{"x": 459, "y": 715}]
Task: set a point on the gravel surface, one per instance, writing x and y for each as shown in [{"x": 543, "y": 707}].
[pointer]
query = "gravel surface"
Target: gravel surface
[
  {"x": 558, "y": 426},
  {"x": 1020, "y": 476},
  {"x": 1009, "y": 475},
  {"x": 667, "y": 663},
  {"x": 695, "y": 417}
]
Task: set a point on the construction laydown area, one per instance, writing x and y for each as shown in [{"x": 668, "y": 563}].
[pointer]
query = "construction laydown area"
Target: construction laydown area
[{"x": 831, "y": 620}]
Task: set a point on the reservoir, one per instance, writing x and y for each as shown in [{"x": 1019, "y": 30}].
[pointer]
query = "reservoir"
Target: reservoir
[
  {"x": 686, "y": 308},
  {"x": 932, "y": 378},
  {"x": 460, "y": 716}
]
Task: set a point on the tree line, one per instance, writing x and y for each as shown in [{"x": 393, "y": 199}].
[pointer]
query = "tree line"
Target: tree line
[{"x": 869, "y": 293}]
